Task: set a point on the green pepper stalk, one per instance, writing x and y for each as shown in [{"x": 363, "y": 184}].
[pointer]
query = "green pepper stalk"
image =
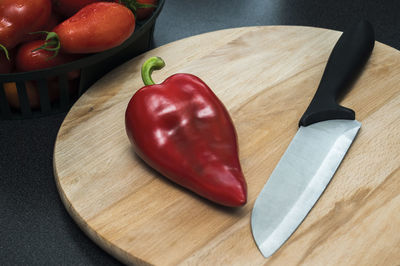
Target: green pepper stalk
[
  {"x": 151, "y": 64},
  {"x": 52, "y": 42},
  {"x": 5, "y": 51},
  {"x": 134, "y": 5}
]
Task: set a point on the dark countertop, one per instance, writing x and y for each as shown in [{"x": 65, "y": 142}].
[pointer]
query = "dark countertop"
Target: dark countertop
[{"x": 35, "y": 229}]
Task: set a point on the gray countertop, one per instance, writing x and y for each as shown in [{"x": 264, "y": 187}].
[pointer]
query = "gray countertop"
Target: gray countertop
[{"x": 35, "y": 227}]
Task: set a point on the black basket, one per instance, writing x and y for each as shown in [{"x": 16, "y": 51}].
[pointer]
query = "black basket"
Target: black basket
[{"x": 91, "y": 68}]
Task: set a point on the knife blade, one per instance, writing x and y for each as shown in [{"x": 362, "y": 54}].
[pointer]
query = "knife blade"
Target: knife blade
[{"x": 326, "y": 131}]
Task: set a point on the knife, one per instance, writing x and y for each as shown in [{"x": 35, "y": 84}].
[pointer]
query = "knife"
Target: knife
[{"x": 326, "y": 131}]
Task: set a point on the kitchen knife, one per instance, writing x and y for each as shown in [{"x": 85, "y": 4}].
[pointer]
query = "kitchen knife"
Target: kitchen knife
[{"x": 326, "y": 131}]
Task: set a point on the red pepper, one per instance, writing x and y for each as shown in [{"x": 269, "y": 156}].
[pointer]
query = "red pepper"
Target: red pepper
[
  {"x": 95, "y": 28},
  {"x": 20, "y": 17},
  {"x": 181, "y": 129},
  {"x": 29, "y": 59}
]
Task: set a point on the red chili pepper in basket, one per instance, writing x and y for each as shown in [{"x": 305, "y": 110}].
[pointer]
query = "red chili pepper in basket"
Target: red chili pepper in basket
[
  {"x": 181, "y": 129},
  {"x": 95, "y": 28},
  {"x": 20, "y": 17},
  {"x": 29, "y": 58}
]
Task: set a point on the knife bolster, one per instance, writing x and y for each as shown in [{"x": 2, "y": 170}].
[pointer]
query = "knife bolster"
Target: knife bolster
[{"x": 316, "y": 113}]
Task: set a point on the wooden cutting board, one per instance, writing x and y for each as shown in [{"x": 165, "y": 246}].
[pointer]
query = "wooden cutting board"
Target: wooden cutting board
[{"x": 266, "y": 77}]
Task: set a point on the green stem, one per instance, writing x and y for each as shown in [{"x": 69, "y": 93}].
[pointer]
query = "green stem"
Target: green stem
[
  {"x": 5, "y": 51},
  {"x": 52, "y": 42},
  {"x": 153, "y": 63},
  {"x": 134, "y": 5},
  {"x": 145, "y": 6}
]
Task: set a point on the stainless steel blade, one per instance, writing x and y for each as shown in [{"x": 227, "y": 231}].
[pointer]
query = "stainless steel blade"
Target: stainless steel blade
[{"x": 298, "y": 180}]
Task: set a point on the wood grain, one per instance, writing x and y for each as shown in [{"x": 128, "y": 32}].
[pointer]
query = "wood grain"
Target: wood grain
[{"x": 266, "y": 77}]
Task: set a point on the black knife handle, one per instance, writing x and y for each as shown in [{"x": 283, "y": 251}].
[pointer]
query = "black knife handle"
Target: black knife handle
[{"x": 348, "y": 57}]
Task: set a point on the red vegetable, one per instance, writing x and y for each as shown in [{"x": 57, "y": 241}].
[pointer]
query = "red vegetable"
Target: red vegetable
[
  {"x": 29, "y": 59},
  {"x": 68, "y": 8},
  {"x": 95, "y": 28},
  {"x": 53, "y": 21},
  {"x": 5, "y": 65},
  {"x": 20, "y": 17},
  {"x": 181, "y": 129},
  {"x": 141, "y": 8}
]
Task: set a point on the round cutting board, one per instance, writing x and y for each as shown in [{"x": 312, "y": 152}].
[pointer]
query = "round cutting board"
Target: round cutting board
[{"x": 266, "y": 77}]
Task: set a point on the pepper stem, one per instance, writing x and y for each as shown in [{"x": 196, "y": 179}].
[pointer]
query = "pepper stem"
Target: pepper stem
[
  {"x": 134, "y": 5},
  {"x": 5, "y": 51},
  {"x": 153, "y": 63},
  {"x": 52, "y": 42}
]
